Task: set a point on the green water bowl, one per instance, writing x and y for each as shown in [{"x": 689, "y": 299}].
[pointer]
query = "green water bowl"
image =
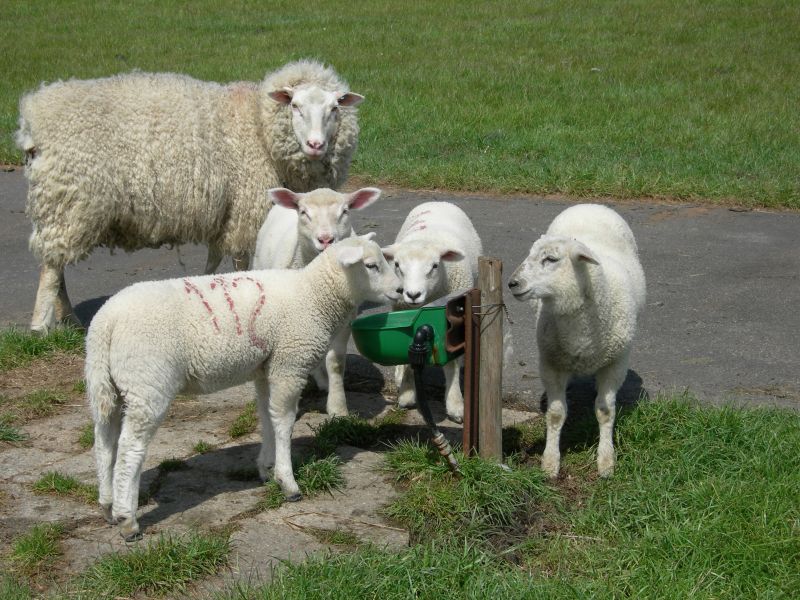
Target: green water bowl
[{"x": 384, "y": 338}]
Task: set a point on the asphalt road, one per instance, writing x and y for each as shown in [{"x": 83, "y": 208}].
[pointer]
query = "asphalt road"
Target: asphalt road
[{"x": 723, "y": 287}]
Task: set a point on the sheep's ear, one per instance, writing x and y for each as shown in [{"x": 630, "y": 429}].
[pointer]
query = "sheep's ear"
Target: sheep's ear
[
  {"x": 363, "y": 198},
  {"x": 282, "y": 96},
  {"x": 451, "y": 255},
  {"x": 350, "y": 255},
  {"x": 350, "y": 99},
  {"x": 283, "y": 197},
  {"x": 388, "y": 252},
  {"x": 580, "y": 252}
]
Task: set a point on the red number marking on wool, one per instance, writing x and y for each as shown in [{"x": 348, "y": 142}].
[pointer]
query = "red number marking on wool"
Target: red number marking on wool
[
  {"x": 262, "y": 298},
  {"x": 190, "y": 289},
  {"x": 222, "y": 282}
]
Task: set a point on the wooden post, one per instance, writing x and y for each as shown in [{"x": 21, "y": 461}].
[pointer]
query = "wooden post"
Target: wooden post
[{"x": 490, "y": 418}]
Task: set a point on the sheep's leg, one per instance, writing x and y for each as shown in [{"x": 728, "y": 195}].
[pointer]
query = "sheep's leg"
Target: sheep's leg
[
  {"x": 266, "y": 457},
  {"x": 406, "y": 394},
  {"x": 555, "y": 384},
  {"x": 454, "y": 401},
  {"x": 609, "y": 380},
  {"x": 45, "y": 311},
  {"x": 143, "y": 415},
  {"x": 215, "y": 257},
  {"x": 334, "y": 365},
  {"x": 284, "y": 392},
  {"x": 106, "y": 436}
]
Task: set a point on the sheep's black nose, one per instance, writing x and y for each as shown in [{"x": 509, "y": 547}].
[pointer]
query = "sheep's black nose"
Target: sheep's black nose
[
  {"x": 513, "y": 283},
  {"x": 414, "y": 295}
]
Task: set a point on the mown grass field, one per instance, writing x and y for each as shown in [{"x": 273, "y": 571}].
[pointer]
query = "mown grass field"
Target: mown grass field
[{"x": 672, "y": 98}]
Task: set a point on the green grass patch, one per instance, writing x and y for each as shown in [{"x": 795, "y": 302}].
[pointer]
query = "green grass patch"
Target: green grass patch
[
  {"x": 58, "y": 484},
  {"x": 665, "y": 97},
  {"x": 14, "y": 588},
  {"x": 485, "y": 500},
  {"x": 9, "y": 433},
  {"x": 86, "y": 437},
  {"x": 334, "y": 537},
  {"x": 202, "y": 447},
  {"x": 19, "y": 348},
  {"x": 703, "y": 504},
  {"x": 245, "y": 423},
  {"x": 316, "y": 476},
  {"x": 355, "y": 431},
  {"x": 161, "y": 568},
  {"x": 79, "y": 387},
  {"x": 38, "y": 549}
]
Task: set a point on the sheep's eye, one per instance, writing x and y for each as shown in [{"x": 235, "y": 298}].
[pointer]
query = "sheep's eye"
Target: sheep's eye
[
  {"x": 372, "y": 266},
  {"x": 397, "y": 269},
  {"x": 334, "y": 109},
  {"x": 304, "y": 214},
  {"x": 434, "y": 266},
  {"x": 549, "y": 259}
]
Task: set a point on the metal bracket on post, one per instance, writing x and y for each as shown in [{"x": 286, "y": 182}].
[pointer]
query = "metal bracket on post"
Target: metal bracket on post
[{"x": 417, "y": 356}]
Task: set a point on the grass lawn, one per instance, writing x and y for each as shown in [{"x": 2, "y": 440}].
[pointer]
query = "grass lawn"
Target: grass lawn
[{"x": 639, "y": 98}]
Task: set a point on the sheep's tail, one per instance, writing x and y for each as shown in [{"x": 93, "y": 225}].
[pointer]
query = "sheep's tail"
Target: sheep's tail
[{"x": 100, "y": 389}]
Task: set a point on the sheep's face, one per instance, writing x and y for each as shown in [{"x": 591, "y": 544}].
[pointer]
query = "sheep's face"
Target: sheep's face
[
  {"x": 419, "y": 265},
  {"x": 323, "y": 214},
  {"x": 371, "y": 278},
  {"x": 550, "y": 270},
  {"x": 315, "y": 115}
]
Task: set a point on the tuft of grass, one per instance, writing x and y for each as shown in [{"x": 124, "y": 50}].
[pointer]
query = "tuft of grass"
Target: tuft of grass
[
  {"x": 334, "y": 537},
  {"x": 483, "y": 501},
  {"x": 9, "y": 433},
  {"x": 163, "y": 567},
  {"x": 38, "y": 549},
  {"x": 86, "y": 437},
  {"x": 321, "y": 475},
  {"x": 245, "y": 423},
  {"x": 13, "y": 588},
  {"x": 79, "y": 387},
  {"x": 355, "y": 431},
  {"x": 35, "y": 405},
  {"x": 18, "y": 348},
  {"x": 202, "y": 447},
  {"x": 58, "y": 484}
]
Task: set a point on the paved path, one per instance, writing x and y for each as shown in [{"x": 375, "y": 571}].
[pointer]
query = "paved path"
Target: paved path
[{"x": 723, "y": 287}]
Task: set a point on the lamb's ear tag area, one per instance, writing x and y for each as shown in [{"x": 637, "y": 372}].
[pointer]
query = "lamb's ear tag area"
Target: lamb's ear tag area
[
  {"x": 363, "y": 198},
  {"x": 451, "y": 255},
  {"x": 283, "y": 197},
  {"x": 350, "y": 255},
  {"x": 581, "y": 252}
]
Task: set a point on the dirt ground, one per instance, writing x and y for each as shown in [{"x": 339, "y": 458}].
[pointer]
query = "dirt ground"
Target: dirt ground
[{"x": 204, "y": 495}]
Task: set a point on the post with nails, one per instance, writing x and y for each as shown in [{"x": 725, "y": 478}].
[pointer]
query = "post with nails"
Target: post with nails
[{"x": 490, "y": 373}]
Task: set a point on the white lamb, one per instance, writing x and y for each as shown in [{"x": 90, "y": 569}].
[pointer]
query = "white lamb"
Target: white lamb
[
  {"x": 155, "y": 339},
  {"x": 298, "y": 227},
  {"x": 141, "y": 160},
  {"x": 435, "y": 253},
  {"x": 586, "y": 275}
]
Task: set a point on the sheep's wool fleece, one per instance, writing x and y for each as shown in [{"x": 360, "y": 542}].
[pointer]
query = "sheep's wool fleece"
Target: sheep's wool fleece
[{"x": 141, "y": 160}]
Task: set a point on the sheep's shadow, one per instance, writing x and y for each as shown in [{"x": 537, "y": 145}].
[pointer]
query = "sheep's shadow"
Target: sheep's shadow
[
  {"x": 86, "y": 310},
  {"x": 232, "y": 470},
  {"x": 580, "y": 430}
]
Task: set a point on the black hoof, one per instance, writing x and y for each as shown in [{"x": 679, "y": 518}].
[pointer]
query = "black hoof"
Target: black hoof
[
  {"x": 294, "y": 497},
  {"x": 455, "y": 419},
  {"x": 133, "y": 537}
]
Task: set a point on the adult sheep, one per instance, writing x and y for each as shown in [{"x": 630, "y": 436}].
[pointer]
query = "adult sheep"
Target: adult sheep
[
  {"x": 435, "y": 253},
  {"x": 155, "y": 339},
  {"x": 141, "y": 160},
  {"x": 298, "y": 227},
  {"x": 585, "y": 274}
]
